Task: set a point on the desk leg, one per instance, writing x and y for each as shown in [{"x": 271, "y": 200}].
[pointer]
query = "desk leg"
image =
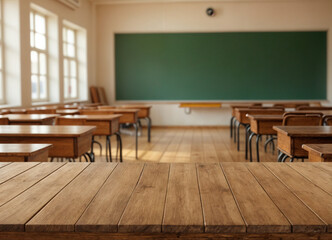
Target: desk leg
[
  {"x": 231, "y": 126},
  {"x": 257, "y": 146},
  {"x": 284, "y": 158},
  {"x": 234, "y": 130},
  {"x": 136, "y": 139},
  {"x": 108, "y": 149},
  {"x": 250, "y": 146},
  {"x": 238, "y": 136},
  {"x": 247, "y": 135},
  {"x": 148, "y": 119},
  {"x": 119, "y": 144}
]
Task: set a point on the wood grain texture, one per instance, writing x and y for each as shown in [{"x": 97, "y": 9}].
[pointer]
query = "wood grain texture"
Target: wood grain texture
[
  {"x": 2, "y": 164},
  {"x": 297, "y": 213},
  {"x": 63, "y": 211},
  {"x": 144, "y": 212},
  {"x": 104, "y": 212},
  {"x": 13, "y": 169},
  {"x": 25, "y": 180},
  {"x": 183, "y": 210},
  {"x": 7, "y": 150},
  {"x": 316, "y": 176},
  {"x": 261, "y": 214},
  {"x": 314, "y": 197},
  {"x": 221, "y": 214},
  {"x": 14, "y": 214}
]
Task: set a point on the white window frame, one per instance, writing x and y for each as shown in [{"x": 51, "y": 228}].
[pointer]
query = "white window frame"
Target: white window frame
[
  {"x": 69, "y": 59},
  {"x": 40, "y": 51},
  {"x": 2, "y": 75}
]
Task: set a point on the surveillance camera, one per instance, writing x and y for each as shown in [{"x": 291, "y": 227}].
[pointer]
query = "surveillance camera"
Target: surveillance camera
[{"x": 210, "y": 12}]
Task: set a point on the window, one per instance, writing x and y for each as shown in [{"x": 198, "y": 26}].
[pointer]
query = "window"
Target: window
[
  {"x": 1, "y": 58},
  {"x": 38, "y": 54},
  {"x": 70, "y": 63}
]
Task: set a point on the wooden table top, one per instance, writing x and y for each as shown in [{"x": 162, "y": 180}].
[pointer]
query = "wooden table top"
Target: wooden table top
[
  {"x": 166, "y": 198},
  {"x": 44, "y": 130},
  {"x": 23, "y": 149},
  {"x": 29, "y": 117},
  {"x": 324, "y": 150},
  {"x": 93, "y": 117},
  {"x": 265, "y": 117},
  {"x": 67, "y": 111},
  {"x": 305, "y": 131}
]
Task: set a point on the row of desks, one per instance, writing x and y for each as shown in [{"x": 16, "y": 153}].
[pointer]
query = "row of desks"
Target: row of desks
[{"x": 120, "y": 201}]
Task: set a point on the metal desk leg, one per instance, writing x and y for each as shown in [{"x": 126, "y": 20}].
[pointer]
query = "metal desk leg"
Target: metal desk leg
[
  {"x": 238, "y": 136},
  {"x": 231, "y": 126},
  {"x": 247, "y": 135},
  {"x": 136, "y": 139},
  {"x": 234, "y": 130},
  {"x": 108, "y": 149},
  {"x": 257, "y": 145},
  {"x": 250, "y": 146},
  {"x": 119, "y": 143},
  {"x": 148, "y": 119}
]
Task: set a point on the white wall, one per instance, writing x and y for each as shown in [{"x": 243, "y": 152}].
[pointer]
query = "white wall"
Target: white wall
[
  {"x": 255, "y": 15},
  {"x": 17, "y": 55}
]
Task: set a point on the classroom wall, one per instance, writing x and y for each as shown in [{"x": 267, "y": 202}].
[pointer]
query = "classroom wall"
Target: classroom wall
[
  {"x": 16, "y": 26},
  {"x": 237, "y": 15}
]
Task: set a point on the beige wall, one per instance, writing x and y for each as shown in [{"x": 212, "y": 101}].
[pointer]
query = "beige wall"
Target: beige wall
[
  {"x": 255, "y": 15},
  {"x": 82, "y": 17}
]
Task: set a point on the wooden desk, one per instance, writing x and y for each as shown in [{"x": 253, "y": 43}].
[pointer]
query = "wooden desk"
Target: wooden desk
[
  {"x": 129, "y": 116},
  {"x": 67, "y": 141},
  {"x": 31, "y": 119},
  {"x": 143, "y": 113},
  {"x": 136, "y": 200},
  {"x": 64, "y": 112},
  {"x": 291, "y": 138},
  {"x": 319, "y": 152},
  {"x": 262, "y": 125},
  {"x": 24, "y": 152},
  {"x": 106, "y": 125}
]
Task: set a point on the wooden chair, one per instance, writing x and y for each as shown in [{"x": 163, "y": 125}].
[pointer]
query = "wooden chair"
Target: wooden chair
[
  {"x": 327, "y": 120},
  {"x": 98, "y": 95},
  {"x": 302, "y": 120}
]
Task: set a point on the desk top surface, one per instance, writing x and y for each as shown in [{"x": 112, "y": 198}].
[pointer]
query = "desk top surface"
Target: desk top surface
[
  {"x": 166, "y": 198},
  {"x": 305, "y": 131},
  {"x": 266, "y": 117},
  {"x": 23, "y": 149},
  {"x": 93, "y": 117},
  {"x": 324, "y": 150},
  {"x": 29, "y": 117},
  {"x": 44, "y": 130}
]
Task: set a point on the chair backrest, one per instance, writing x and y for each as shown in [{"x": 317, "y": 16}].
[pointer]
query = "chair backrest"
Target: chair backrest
[
  {"x": 98, "y": 95},
  {"x": 304, "y": 113},
  {"x": 291, "y": 105},
  {"x": 313, "y": 108},
  {"x": 327, "y": 120},
  {"x": 302, "y": 120}
]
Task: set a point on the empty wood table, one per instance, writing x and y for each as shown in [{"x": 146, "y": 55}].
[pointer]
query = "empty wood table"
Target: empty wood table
[
  {"x": 291, "y": 139},
  {"x": 106, "y": 125},
  {"x": 67, "y": 141},
  {"x": 319, "y": 152},
  {"x": 136, "y": 200},
  {"x": 24, "y": 152},
  {"x": 262, "y": 125},
  {"x": 31, "y": 119}
]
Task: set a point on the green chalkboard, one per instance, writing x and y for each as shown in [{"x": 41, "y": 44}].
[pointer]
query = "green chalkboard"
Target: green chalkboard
[{"x": 221, "y": 66}]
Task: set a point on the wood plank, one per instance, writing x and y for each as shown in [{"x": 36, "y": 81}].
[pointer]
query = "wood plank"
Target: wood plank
[
  {"x": 105, "y": 210},
  {"x": 299, "y": 215},
  {"x": 144, "y": 212},
  {"x": 15, "y": 213},
  {"x": 221, "y": 214},
  {"x": 183, "y": 210},
  {"x": 326, "y": 167},
  {"x": 314, "y": 197},
  {"x": 63, "y": 211},
  {"x": 14, "y": 169},
  {"x": 318, "y": 177},
  {"x": 25, "y": 180},
  {"x": 2, "y": 164},
  {"x": 258, "y": 211},
  {"x": 200, "y": 105}
]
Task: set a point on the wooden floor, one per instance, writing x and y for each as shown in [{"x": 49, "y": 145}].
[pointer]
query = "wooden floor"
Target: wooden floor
[{"x": 185, "y": 145}]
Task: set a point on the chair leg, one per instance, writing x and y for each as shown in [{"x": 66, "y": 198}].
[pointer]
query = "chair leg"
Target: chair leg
[
  {"x": 119, "y": 144},
  {"x": 231, "y": 126},
  {"x": 284, "y": 158},
  {"x": 247, "y": 135},
  {"x": 149, "y": 128},
  {"x": 250, "y": 145},
  {"x": 238, "y": 136},
  {"x": 234, "y": 129},
  {"x": 136, "y": 140}
]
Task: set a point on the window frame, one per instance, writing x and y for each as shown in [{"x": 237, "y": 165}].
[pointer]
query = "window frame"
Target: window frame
[
  {"x": 39, "y": 51},
  {"x": 67, "y": 58},
  {"x": 2, "y": 73}
]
